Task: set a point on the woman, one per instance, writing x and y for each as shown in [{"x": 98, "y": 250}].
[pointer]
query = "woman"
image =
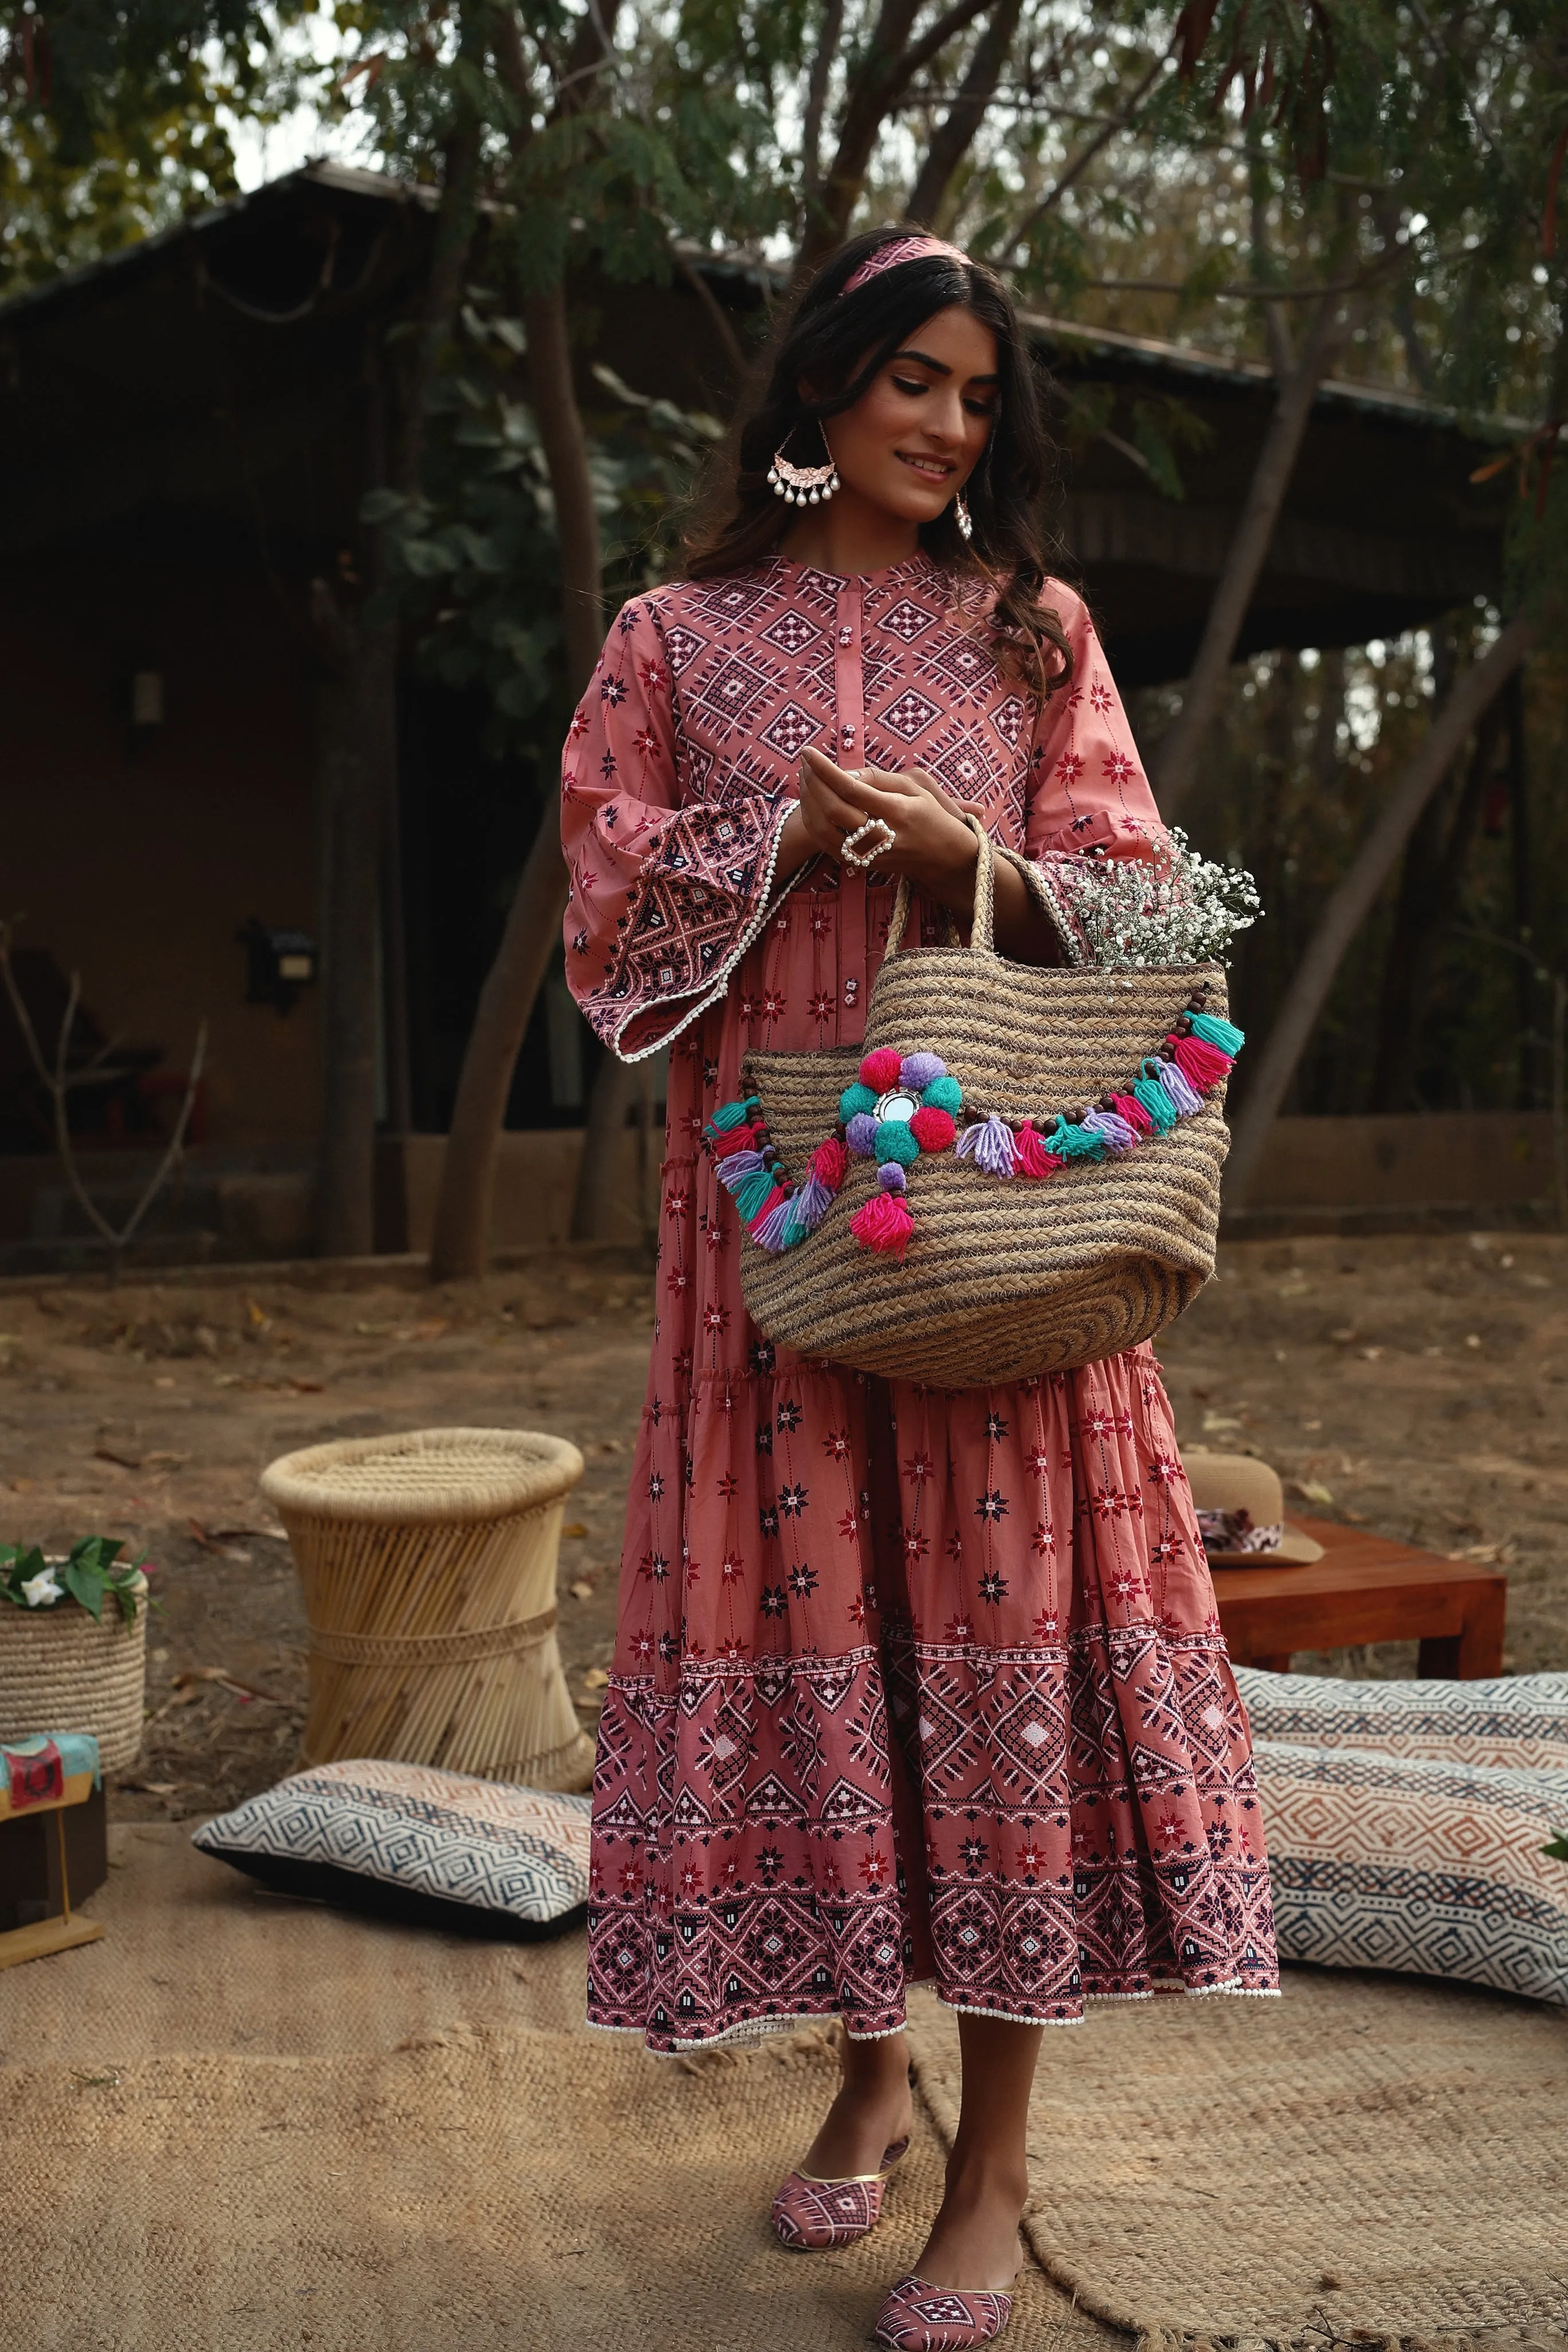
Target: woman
[{"x": 1064, "y": 1806}]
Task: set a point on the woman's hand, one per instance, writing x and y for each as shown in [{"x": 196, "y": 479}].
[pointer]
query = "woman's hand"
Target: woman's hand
[{"x": 932, "y": 844}]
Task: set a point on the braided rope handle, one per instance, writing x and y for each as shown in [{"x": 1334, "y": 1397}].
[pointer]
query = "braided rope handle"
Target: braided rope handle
[{"x": 981, "y": 935}]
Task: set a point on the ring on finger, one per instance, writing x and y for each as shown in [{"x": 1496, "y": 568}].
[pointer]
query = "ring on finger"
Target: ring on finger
[{"x": 859, "y": 849}]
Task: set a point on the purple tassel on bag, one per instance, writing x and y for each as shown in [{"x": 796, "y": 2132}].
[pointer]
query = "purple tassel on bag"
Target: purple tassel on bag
[
  {"x": 770, "y": 1232},
  {"x": 1119, "y": 1133},
  {"x": 990, "y": 1146},
  {"x": 733, "y": 1172},
  {"x": 1185, "y": 1101},
  {"x": 810, "y": 1205}
]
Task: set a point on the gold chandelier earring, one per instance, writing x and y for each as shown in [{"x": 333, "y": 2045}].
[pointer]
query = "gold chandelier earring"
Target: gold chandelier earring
[{"x": 803, "y": 486}]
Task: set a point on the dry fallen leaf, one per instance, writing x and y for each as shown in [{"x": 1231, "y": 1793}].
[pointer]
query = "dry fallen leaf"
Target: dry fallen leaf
[
  {"x": 582, "y": 1590},
  {"x": 595, "y": 1678},
  {"x": 1311, "y": 1490},
  {"x": 576, "y": 1528}
]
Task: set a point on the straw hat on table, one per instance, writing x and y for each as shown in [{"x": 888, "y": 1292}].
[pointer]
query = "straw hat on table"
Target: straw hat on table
[{"x": 1240, "y": 1506}]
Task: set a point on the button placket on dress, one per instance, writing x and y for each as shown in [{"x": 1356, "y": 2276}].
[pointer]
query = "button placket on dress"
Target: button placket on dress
[{"x": 849, "y": 730}]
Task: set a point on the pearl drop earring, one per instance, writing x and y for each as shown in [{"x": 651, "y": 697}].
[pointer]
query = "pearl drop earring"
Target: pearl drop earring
[{"x": 803, "y": 486}]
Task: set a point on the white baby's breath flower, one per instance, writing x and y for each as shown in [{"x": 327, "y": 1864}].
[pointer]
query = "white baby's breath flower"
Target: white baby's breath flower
[
  {"x": 1182, "y": 910},
  {"x": 39, "y": 1590}
]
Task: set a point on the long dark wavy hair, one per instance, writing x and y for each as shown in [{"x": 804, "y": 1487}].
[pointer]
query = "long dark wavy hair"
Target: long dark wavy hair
[{"x": 837, "y": 343}]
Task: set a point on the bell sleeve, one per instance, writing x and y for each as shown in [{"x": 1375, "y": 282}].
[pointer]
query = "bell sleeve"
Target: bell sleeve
[
  {"x": 668, "y": 890},
  {"x": 1088, "y": 797}
]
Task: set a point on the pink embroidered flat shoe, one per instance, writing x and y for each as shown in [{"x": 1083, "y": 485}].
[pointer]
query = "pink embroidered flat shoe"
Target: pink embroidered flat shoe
[
  {"x": 921, "y": 2318},
  {"x": 809, "y": 2213}
]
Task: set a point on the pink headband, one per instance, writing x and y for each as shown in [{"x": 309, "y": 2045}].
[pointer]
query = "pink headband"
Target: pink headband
[{"x": 898, "y": 249}]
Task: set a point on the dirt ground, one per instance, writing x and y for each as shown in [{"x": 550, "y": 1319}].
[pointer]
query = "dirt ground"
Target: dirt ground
[{"x": 1416, "y": 1386}]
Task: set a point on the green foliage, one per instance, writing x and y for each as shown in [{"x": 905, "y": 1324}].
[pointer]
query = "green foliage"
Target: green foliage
[
  {"x": 1558, "y": 1849},
  {"x": 472, "y": 566},
  {"x": 92, "y": 1573},
  {"x": 110, "y": 121}
]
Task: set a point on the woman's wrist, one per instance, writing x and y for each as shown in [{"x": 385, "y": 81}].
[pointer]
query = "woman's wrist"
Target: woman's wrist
[{"x": 948, "y": 880}]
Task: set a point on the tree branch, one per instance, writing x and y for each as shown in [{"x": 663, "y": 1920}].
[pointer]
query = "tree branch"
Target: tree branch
[
  {"x": 891, "y": 61},
  {"x": 930, "y": 45},
  {"x": 956, "y": 134},
  {"x": 1353, "y": 899},
  {"x": 1081, "y": 161},
  {"x": 59, "y": 1083},
  {"x": 718, "y": 317},
  {"x": 816, "y": 102}
]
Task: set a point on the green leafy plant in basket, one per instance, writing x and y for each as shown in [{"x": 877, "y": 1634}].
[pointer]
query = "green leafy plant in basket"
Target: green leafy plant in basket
[{"x": 91, "y": 1573}]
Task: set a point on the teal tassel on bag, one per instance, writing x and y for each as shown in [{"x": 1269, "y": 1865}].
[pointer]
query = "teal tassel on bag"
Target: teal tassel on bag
[
  {"x": 731, "y": 1115},
  {"x": 1213, "y": 1031},
  {"x": 1071, "y": 1142},
  {"x": 749, "y": 1197},
  {"x": 1156, "y": 1102}
]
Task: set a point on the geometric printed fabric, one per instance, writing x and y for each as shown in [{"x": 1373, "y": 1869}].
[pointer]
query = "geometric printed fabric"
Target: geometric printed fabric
[
  {"x": 683, "y": 763},
  {"x": 1388, "y": 1862},
  {"x": 522, "y": 1852},
  {"x": 907, "y": 1684},
  {"x": 1518, "y": 1722}
]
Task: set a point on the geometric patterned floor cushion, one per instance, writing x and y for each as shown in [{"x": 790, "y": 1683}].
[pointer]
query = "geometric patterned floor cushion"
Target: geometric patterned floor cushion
[
  {"x": 404, "y": 1841},
  {"x": 1391, "y": 1862},
  {"x": 1517, "y": 1722}
]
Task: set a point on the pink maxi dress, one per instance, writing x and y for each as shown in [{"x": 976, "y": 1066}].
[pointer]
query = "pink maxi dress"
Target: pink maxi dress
[{"x": 908, "y": 1684}]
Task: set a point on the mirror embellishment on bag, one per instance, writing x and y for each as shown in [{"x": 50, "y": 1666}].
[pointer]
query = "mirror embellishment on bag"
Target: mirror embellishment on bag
[{"x": 902, "y": 1104}]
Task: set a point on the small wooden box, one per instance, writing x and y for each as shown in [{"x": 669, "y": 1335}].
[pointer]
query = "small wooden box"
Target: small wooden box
[{"x": 52, "y": 1856}]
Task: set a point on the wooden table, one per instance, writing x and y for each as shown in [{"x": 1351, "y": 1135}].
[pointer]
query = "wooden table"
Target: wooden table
[{"x": 1365, "y": 1588}]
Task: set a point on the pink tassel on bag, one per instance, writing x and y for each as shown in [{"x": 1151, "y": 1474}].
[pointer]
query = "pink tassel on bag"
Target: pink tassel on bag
[
  {"x": 1030, "y": 1153},
  {"x": 829, "y": 1163},
  {"x": 884, "y": 1223},
  {"x": 1204, "y": 1065},
  {"x": 1129, "y": 1107}
]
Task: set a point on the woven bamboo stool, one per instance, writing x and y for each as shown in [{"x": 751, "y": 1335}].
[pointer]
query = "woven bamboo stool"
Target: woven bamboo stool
[{"x": 428, "y": 1568}]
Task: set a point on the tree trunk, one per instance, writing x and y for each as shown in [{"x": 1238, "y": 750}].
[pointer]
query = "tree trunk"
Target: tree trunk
[
  {"x": 615, "y": 1089},
  {"x": 956, "y": 136},
  {"x": 889, "y": 63},
  {"x": 353, "y": 735},
  {"x": 1351, "y": 903},
  {"x": 1176, "y": 759},
  {"x": 1429, "y": 886},
  {"x": 460, "y": 1245},
  {"x": 1528, "y": 1091}
]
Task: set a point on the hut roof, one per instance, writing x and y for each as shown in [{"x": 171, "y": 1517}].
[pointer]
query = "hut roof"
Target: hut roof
[{"x": 204, "y": 394}]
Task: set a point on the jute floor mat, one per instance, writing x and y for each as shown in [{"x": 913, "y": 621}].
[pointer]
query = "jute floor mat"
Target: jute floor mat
[
  {"x": 1371, "y": 2155},
  {"x": 238, "y": 2125}
]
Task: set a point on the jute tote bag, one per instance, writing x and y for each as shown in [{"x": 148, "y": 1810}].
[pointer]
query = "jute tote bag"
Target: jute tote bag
[{"x": 1001, "y": 1276}]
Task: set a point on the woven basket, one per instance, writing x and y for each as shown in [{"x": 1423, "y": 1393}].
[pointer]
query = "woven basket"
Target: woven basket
[
  {"x": 428, "y": 1568},
  {"x": 1005, "y": 1277},
  {"x": 60, "y": 1671}
]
